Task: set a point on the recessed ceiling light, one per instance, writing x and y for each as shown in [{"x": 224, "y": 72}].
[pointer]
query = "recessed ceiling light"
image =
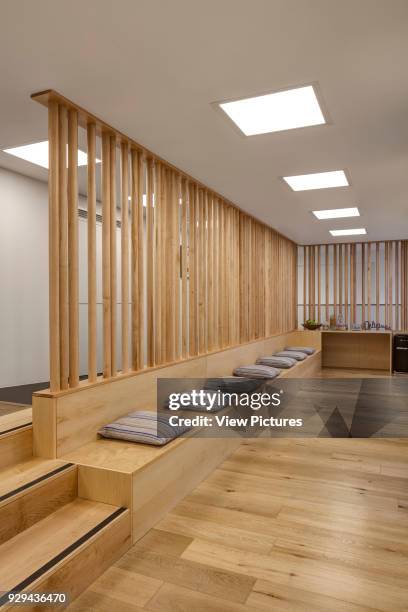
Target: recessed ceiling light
[
  {"x": 348, "y": 232},
  {"x": 320, "y": 180},
  {"x": 37, "y": 153},
  {"x": 336, "y": 213},
  {"x": 283, "y": 110}
]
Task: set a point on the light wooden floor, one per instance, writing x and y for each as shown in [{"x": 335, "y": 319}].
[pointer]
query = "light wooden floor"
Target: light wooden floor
[{"x": 311, "y": 525}]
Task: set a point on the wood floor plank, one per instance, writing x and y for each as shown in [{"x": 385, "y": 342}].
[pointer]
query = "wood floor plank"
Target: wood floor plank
[
  {"x": 164, "y": 541},
  {"x": 92, "y": 601},
  {"x": 119, "y": 588},
  {"x": 193, "y": 575},
  {"x": 171, "y": 599},
  {"x": 218, "y": 533},
  {"x": 281, "y": 598}
]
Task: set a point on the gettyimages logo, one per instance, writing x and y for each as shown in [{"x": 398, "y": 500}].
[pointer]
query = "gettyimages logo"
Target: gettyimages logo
[{"x": 210, "y": 400}]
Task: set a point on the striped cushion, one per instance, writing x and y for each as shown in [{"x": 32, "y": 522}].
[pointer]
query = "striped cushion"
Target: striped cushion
[
  {"x": 302, "y": 349},
  {"x": 257, "y": 371},
  {"x": 204, "y": 406},
  {"x": 232, "y": 384},
  {"x": 292, "y": 354},
  {"x": 277, "y": 362},
  {"x": 143, "y": 426}
]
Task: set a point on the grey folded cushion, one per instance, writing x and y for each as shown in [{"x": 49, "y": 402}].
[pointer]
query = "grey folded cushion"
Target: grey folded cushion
[
  {"x": 277, "y": 362},
  {"x": 302, "y": 349},
  {"x": 205, "y": 400},
  {"x": 145, "y": 427},
  {"x": 257, "y": 371},
  {"x": 232, "y": 384},
  {"x": 292, "y": 355}
]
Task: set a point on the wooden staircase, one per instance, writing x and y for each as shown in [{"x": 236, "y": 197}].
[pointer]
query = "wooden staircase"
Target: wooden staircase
[{"x": 51, "y": 540}]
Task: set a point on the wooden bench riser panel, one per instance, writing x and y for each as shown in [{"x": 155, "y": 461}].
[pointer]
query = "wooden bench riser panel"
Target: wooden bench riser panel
[
  {"x": 305, "y": 369},
  {"x": 158, "y": 487},
  {"x": 35, "y": 503},
  {"x": 16, "y": 446}
]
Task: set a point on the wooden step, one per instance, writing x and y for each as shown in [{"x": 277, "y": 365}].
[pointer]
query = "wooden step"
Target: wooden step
[
  {"x": 16, "y": 420},
  {"x": 64, "y": 552},
  {"x": 31, "y": 490}
]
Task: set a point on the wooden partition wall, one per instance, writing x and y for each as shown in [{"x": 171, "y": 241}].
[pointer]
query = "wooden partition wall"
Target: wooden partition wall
[
  {"x": 199, "y": 274},
  {"x": 361, "y": 281}
]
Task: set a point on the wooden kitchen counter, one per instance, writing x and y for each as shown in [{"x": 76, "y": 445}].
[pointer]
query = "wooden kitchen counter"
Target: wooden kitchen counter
[{"x": 362, "y": 349}]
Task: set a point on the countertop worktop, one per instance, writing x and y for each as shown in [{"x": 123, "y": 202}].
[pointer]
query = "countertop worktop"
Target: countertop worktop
[{"x": 357, "y": 331}]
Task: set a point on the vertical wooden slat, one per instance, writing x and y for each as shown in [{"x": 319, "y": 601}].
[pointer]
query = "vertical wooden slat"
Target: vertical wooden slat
[
  {"x": 341, "y": 312},
  {"x": 159, "y": 269},
  {"x": 149, "y": 263},
  {"x": 216, "y": 271},
  {"x": 397, "y": 286},
  {"x": 390, "y": 284},
  {"x": 113, "y": 215},
  {"x": 205, "y": 265},
  {"x": 377, "y": 282},
  {"x": 92, "y": 346},
  {"x": 202, "y": 267},
  {"x": 369, "y": 281},
  {"x": 106, "y": 275},
  {"x": 313, "y": 275},
  {"x": 176, "y": 256},
  {"x": 73, "y": 248},
  {"x": 404, "y": 272},
  {"x": 327, "y": 284},
  {"x": 210, "y": 273},
  {"x": 64, "y": 303},
  {"x": 136, "y": 252},
  {"x": 319, "y": 289},
  {"x": 54, "y": 241},
  {"x": 346, "y": 283},
  {"x": 183, "y": 250},
  {"x": 304, "y": 283},
  {"x": 353, "y": 283},
  {"x": 335, "y": 247},
  {"x": 386, "y": 268},
  {"x": 191, "y": 271},
  {"x": 140, "y": 258},
  {"x": 124, "y": 166},
  {"x": 363, "y": 282},
  {"x": 309, "y": 283},
  {"x": 171, "y": 282},
  {"x": 164, "y": 260}
]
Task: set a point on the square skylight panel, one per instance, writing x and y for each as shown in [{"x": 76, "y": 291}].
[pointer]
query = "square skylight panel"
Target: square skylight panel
[
  {"x": 37, "y": 153},
  {"x": 275, "y": 112},
  {"x": 348, "y": 232},
  {"x": 319, "y": 180},
  {"x": 336, "y": 213}
]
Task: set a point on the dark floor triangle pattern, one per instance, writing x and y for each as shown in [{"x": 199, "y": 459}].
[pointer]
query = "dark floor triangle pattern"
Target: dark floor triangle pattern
[{"x": 335, "y": 426}]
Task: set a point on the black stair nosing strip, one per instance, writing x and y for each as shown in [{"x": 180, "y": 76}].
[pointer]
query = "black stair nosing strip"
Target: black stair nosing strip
[
  {"x": 27, "y": 485},
  {"x": 15, "y": 428},
  {"x": 61, "y": 556}
]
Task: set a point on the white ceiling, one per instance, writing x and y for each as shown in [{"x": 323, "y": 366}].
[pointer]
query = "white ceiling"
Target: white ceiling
[{"x": 152, "y": 68}]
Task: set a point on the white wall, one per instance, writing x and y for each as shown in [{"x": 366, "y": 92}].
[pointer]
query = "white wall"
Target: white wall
[{"x": 23, "y": 280}]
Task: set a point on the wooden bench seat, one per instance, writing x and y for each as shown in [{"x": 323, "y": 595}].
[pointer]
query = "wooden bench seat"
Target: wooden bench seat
[
  {"x": 306, "y": 368},
  {"x": 148, "y": 480}
]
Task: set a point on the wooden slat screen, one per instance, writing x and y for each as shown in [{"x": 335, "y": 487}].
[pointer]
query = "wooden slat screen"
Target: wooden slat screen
[
  {"x": 193, "y": 273},
  {"x": 363, "y": 282}
]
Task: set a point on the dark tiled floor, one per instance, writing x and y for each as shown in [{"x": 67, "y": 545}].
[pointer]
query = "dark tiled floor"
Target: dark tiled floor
[{"x": 21, "y": 394}]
